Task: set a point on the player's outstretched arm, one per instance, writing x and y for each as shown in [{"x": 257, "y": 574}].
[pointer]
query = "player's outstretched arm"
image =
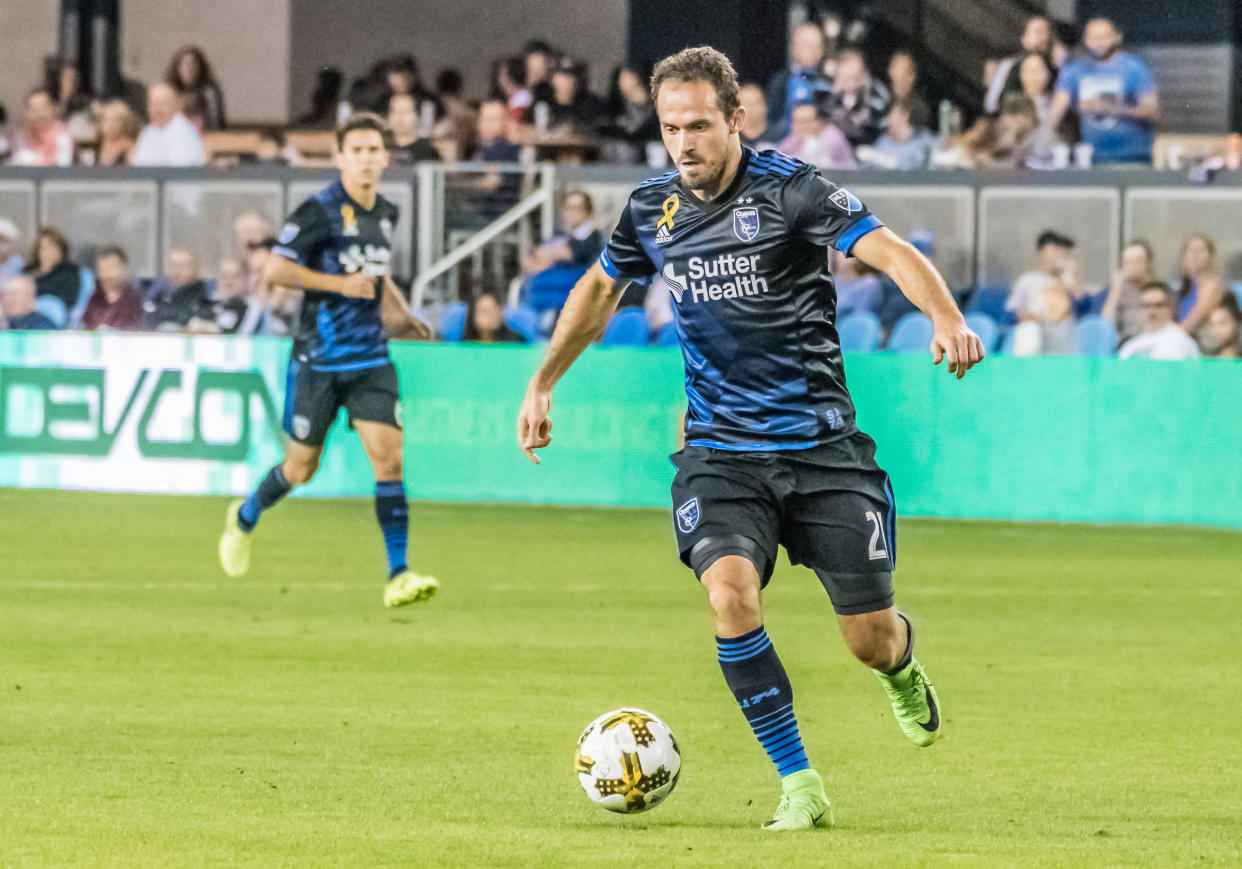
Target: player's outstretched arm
[
  {"x": 586, "y": 313},
  {"x": 286, "y": 273},
  {"x": 922, "y": 284}
]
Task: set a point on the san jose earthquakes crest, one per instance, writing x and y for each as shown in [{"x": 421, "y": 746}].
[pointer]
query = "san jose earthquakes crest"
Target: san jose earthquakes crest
[
  {"x": 746, "y": 223},
  {"x": 688, "y": 516}
]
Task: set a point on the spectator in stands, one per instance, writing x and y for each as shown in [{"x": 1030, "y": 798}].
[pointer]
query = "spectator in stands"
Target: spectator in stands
[
  {"x": 1223, "y": 330},
  {"x": 169, "y": 139},
  {"x": 1123, "y": 306},
  {"x": 271, "y": 148},
  {"x": 858, "y": 102},
  {"x": 1008, "y": 140},
  {"x": 539, "y": 58},
  {"x": 117, "y": 131},
  {"x": 754, "y": 126},
  {"x": 1037, "y": 38},
  {"x": 815, "y": 140},
  {"x": 632, "y": 122},
  {"x": 1200, "y": 289},
  {"x": 11, "y": 262},
  {"x": 903, "y": 77},
  {"x": 224, "y": 311},
  {"x": 509, "y": 86},
  {"x": 485, "y": 322},
  {"x": 63, "y": 83},
  {"x": 407, "y": 146},
  {"x": 249, "y": 230},
  {"x": 493, "y": 141},
  {"x": 1114, "y": 94},
  {"x": 325, "y": 99},
  {"x": 116, "y": 303},
  {"x": 179, "y": 297},
  {"x": 858, "y": 285},
  {"x": 403, "y": 79},
  {"x": 555, "y": 266},
  {"x": 802, "y": 81},
  {"x": 460, "y": 117},
  {"x": 574, "y": 110},
  {"x": 1161, "y": 338},
  {"x": 270, "y": 309},
  {"x": 906, "y": 143},
  {"x": 54, "y": 273},
  {"x": 190, "y": 75},
  {"x": 1055, "y": 260},
  {"x": 41, "y": 140},
  {"x": 18, "y": 301}
]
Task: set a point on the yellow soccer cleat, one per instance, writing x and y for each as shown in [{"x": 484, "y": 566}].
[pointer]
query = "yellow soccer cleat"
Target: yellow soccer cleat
[
  {"x": 234, "y": 543},
  {"x": 407, "y": 587}
]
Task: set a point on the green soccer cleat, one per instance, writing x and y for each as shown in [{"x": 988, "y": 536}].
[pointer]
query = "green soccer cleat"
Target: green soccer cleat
[
  {"x": 804, "y": 805},
  {"x": 234, "y": 543},
  {"x": 914, "y": 702},
  {"x": 407, "y": 587}
]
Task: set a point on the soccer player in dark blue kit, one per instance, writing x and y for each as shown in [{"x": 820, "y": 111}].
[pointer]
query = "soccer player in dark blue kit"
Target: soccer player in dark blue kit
[
  {"x": 337, "y": 247},
  {"x": 773, "y": 455}
]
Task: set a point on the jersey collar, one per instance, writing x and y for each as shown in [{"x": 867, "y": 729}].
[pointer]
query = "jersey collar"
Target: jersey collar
[{"x": 726, "y": 196}]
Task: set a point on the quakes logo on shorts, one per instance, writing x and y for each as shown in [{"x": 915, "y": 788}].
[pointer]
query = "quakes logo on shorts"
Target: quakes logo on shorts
[{"x": 688, "y": 516}]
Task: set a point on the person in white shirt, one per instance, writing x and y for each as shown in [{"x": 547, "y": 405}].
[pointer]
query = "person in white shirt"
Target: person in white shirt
[
  {"x": 1161, "y": 338},
  {"x": 169, "y": 139},
  {"x": 1055, "y": 258}
]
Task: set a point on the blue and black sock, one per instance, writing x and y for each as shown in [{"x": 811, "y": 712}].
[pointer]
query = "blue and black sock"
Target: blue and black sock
[
  {"x": 270, "y": 491},
  {"x": 393, "y": 513},
  {"x": 757, "y": 679}
]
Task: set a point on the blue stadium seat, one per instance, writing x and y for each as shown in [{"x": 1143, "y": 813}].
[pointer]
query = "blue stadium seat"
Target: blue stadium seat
[
  {"x": 1237, "y": 290},
  {"x": 54, "y": 309},
  {"x": 627, "y": 328},
  {"x": 1096, "y": 337},
  {"x": 452, "y": 321},
  {"x": 523, "y": 320},
  {"x": 667, "y": 336},
  {"x": 86, "y": 288},
  {"x": 985, "y": 327},
  {"x": 860, "y": 333},
  {"x": 912, "y": 334},
  {"x": 1006, "y": 347},
  {"x": 1089, "y": 305},
  {"x": 991, "y": 301}
]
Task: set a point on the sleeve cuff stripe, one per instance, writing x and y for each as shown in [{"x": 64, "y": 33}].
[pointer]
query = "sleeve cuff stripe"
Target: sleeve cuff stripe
[
  {"x": 607, "y": 265},
  {"x": 286, "y": 252},
  {"x": 856, "y": 231}
]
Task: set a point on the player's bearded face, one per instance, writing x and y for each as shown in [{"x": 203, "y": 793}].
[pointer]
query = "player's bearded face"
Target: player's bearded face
[{"x": 696, "y": 132}]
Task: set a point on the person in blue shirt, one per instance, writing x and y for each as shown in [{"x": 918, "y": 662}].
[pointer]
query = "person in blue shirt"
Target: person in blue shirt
[
  {"x": 17, "y": 303},
  {"x": 1114, "y": 94},
  {"x": 803, "y": 81},
  {"x": 337, "y": 248},
  {"x": 773, "y": 454}
]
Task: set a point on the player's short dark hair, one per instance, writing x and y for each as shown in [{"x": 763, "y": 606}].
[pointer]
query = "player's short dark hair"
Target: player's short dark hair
[
  {"x": 112, "y": 250},
  {"x": 363, "y": 121},
  {"x": 1051, "y": 236},
  {"x": 701, "y": 63}
]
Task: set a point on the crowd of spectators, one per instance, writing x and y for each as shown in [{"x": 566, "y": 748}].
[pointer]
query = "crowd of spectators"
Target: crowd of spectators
[{"x": 1050, "y": 104}]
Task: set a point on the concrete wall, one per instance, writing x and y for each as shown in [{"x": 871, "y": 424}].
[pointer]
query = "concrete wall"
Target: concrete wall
[
  {"x": 467, "y": 36},
  {"x": 27, "y": 35},
  {"x": 247, "y": 42}
]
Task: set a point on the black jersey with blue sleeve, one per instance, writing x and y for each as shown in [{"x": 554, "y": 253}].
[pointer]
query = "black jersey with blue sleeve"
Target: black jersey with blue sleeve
[
  {"x": 332, "y": 233},
  {"x": 753, "y": 298}
]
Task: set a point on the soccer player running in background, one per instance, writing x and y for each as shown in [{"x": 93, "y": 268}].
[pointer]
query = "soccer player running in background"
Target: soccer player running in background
[
  {"x": 337, "y": 246},
  {"x": 772, "y": 453}
]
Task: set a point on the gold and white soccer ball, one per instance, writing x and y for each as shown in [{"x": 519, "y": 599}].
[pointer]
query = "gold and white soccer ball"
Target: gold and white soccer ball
[{"x": 627, "y": 761}]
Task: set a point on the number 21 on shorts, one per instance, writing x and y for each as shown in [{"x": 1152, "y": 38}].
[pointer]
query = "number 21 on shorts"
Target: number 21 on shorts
[{"x": 879, "y": 546}]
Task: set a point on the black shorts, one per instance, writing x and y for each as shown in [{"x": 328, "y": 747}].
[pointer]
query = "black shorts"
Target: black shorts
[
  {"x": 830, "y": 506},
  {"x": 313, "y": 399}
]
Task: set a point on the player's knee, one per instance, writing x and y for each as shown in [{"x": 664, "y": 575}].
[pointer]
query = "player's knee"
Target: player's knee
[
  {"x": 389, "y": 467},
  {"x": 299, "y": 472},
  {"x": 733, "y": 594}
]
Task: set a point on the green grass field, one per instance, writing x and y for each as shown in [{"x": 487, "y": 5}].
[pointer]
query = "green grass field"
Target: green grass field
[{"x": 155, "y": 713}]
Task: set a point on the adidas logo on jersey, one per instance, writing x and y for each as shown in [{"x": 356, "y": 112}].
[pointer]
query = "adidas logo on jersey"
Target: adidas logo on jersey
[
  {"x": 738, "y": 276},
  {"x": 663, "y": 236}
]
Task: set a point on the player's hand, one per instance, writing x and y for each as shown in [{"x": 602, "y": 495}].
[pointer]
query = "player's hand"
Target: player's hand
[
  {"x": 534, "y": 429},
  {"x": 957, "y": 343},
  {"x": 358, "y": 285}
]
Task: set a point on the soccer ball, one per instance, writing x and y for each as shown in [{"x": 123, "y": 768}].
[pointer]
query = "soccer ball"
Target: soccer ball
[{"x": 627, "y": 761}]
